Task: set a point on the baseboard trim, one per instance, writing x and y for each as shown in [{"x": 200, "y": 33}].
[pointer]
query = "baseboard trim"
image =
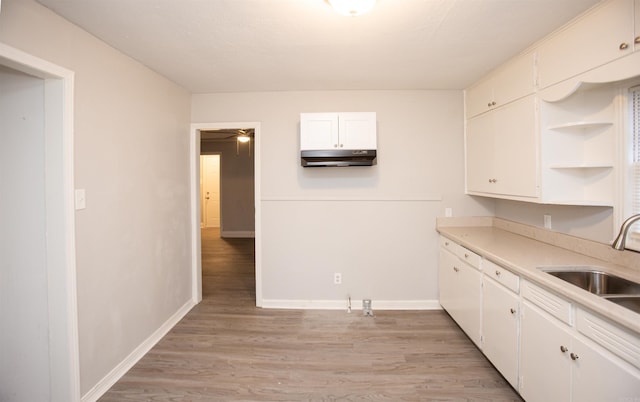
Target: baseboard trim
[
  {"x": 237, "y": 234},
  {"x": 355, "y": 304},
  {"x": 121, "y": 369}
]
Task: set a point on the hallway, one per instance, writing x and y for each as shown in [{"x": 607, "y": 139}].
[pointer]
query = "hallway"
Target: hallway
[{"x": 226, "y": 349}]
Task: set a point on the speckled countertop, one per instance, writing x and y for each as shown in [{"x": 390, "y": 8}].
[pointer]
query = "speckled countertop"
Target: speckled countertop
[{"x": 516, "y": 247}]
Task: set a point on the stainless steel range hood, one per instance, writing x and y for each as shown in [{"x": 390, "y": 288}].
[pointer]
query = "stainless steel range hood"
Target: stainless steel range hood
[{"x": 341, "y": 157}]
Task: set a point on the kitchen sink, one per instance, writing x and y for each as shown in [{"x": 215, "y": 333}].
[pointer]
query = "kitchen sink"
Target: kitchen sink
[
  {"x": 630, "y": 302},
  {"x": 596, "y": 281}
]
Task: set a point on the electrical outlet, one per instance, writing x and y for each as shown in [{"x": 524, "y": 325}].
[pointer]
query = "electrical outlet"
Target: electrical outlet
[
  {"x": 337, "y": 278},
  {"x": 547, "y": 221}
]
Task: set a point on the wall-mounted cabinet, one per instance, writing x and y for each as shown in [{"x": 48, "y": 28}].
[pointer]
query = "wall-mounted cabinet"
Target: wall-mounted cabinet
[
  {"x": 594, "y": 40},
  {"x": 578, "y": 148},
  {"x": 324, "y": 131},
  {"x": 501, "y": 151},
  {"x": 510, "y": 82}
]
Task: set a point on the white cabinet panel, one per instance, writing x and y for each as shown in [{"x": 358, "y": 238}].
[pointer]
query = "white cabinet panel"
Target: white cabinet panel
[
  {"x": 501, "y": 146},
  {"x": 321, "y": 131},
  {"x": 545, "y": 369},
  {"x": 510, "y": 82},
  {"x": 599, "y": 376},
  {"x": 596, "y": 39},
  {"x": 460, "y": 287},
  {"x": 500, "y": 310}
]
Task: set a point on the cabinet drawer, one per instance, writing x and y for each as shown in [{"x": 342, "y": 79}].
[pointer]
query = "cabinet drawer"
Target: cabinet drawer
[
  {"x": 609, "y": 336},
  {"x": 469, "y": 257},
  {"x": 501, "y": 275},
  {"x": 547, "y": 301},
  {"x": 465, "y": 255}
]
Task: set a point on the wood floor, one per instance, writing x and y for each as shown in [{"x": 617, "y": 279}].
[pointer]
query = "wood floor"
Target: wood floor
[{"x": 226, "y": 349}]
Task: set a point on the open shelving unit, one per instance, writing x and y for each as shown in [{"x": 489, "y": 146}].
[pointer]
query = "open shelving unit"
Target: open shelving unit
[{"x": 578, "y": 143}]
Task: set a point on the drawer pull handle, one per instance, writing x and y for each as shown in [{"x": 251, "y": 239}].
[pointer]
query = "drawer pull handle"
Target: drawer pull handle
[
  {"x": 637, "y": 40},
  {"x": 624, "y": 46},
  {"x": 513, "y": 310},
  {"x": 574, "y": 356},
  {"x": 563, "y": 349}
]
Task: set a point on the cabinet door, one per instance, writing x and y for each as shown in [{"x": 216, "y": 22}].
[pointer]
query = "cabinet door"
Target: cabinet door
[
  {"x": 500, "y": 310},
  {"x": 460, "y": 287},
  {"x": 318, "y": 131},
  {"x": 357, "y": 130},
  {"x": 515, "y": 80},
  {"x": 467, "y": 295},
  {"x": 479, "y": 97},
  {"x": 446, "y": 278},
  {"x": 592, "y": 41},
  {"x": 545, "y": 371},
  {"x": 600, "y": 376},
  {"x": 516, "y": 149},
  {"x": 479, "y": 154}
]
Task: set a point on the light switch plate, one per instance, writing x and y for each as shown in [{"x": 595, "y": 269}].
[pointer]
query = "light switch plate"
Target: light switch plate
[{"x": 81, "y": 200}]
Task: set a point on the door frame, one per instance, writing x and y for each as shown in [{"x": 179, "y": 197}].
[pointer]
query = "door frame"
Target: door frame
[
  {"x": 194, "y": 172},
  {"x": 64, "y": 362}
]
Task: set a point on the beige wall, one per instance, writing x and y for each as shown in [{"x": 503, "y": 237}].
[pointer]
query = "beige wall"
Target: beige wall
[
  {"x": 131, "y": 155},
  {"x": 375, "y": 225},
  {"x": 236, "y": 185}
]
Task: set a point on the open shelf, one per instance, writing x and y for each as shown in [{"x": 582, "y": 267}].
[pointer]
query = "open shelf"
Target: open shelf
[{"x": 581, "y": 126}]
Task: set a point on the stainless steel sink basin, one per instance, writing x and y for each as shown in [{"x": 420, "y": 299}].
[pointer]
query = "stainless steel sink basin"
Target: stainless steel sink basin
[
  {"x": 597, "y": 282},
  {"x": 630, "y": 302}
]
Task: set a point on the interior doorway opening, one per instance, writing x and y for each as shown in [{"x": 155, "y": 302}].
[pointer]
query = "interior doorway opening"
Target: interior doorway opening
[
  {"x": 210, "y": 191},
  {"x": 237, "y": 145},
  {"x": 39, "y": 341}
]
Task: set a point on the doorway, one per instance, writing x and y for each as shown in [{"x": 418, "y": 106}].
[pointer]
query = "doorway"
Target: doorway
[
  {"x": 210, "y": 191},
  {"x": 232, "y": 210},
  {"x": 39, "y": 341}
]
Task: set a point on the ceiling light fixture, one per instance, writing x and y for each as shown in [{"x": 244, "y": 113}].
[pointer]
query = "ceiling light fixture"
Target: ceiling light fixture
[
  {"x": 352, "y": 8},
  {"x": 243, "y": 136}
]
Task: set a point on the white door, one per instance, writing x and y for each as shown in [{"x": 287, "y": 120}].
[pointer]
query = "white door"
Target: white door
[{"x": 211, "y": 190}]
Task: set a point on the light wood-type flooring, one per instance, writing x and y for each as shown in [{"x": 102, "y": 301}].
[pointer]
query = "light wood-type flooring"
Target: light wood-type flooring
[{"x": 226, "y": 349}]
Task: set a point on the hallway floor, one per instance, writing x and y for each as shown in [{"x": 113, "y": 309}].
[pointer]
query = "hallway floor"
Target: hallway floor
[{"x": 226, "y": 349}]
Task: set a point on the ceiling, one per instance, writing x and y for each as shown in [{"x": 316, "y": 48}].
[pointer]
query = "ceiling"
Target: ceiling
[{"x": 278, "y": 45}]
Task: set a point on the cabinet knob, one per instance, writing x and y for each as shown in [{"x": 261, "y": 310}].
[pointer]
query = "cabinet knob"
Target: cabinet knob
[
  {"x": 498, "y": 273},
  {"x": 512, "y": 310},
  {"x": 636, "y": 40},
  {"x": 446, "y": 243},
  {"x": 563, "y": 349},
  {"x": 624, "y": 46},
  {"x": 335, "y": 145},
  {"x": 466, "y": 255},
  {"x": 341, "y": 145},
  {"x": 456, "y": 269},
  {"x": 493, "y": 103},
  {"x": 573, "y": 356},
  {"x": 489, "y": 104}
]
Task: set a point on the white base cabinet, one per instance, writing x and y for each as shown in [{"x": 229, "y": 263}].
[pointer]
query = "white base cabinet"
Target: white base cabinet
[
  {"x": 460, "y": 293},
  {"x": 500, "y": 310},
  {"x": 547, "y": 347},
  {"x": 558, "y": 365}
]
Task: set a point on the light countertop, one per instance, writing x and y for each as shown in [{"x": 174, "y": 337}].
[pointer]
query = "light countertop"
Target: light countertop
[{"x": 523, "y": 255}]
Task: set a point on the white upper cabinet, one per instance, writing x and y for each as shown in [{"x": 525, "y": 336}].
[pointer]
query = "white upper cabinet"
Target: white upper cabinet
[
  {"x": 591, "y": 41},
  {"x": 502, "y": 157},
  {"x": 512, "y": 81},
  {"x": 322, "y": 131}
]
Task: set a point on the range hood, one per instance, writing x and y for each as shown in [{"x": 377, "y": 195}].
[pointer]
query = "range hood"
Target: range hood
[{"x": 338, "y": 157}]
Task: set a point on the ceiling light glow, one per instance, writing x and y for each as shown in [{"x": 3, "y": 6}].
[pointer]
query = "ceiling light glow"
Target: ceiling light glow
[{"x": 352, "y": 8}]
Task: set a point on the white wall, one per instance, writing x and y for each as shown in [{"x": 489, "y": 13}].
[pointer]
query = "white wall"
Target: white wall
[
  {"x": 24, "y": 314},
  {"x": 131, "y": 155},
  {"x": 375, "y": 225},
  {"x": 593, "y": 223}
]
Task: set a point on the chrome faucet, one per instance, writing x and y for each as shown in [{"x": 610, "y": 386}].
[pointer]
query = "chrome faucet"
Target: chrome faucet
[{"x": 619, "y": 242}]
